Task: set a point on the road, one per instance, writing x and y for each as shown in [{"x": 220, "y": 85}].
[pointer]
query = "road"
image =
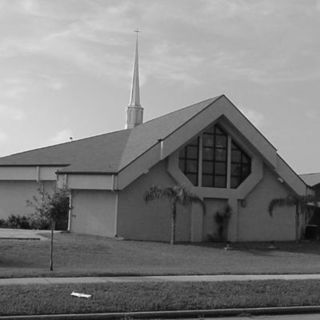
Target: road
[{"x": 315, "y": 316}]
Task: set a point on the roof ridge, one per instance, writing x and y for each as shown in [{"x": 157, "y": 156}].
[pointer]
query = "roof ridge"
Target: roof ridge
[
  {"x": 308, "y": 174},
  {"x": 184, "y": 108}
]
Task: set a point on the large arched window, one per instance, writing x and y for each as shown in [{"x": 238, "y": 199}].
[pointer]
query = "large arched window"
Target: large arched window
[{"x": 205, "y": 160}]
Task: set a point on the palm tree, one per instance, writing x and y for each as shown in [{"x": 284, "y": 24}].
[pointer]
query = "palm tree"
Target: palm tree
[
  {"x": 175, "y": 195},
  {"x": 300, "y": 202}
]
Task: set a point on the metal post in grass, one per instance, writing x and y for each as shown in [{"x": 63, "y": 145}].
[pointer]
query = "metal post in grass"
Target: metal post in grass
[{"x": 51, "y": 243}]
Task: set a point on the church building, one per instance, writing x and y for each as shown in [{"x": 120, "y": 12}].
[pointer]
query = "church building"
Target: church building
[{"x": 209, "y": 147}]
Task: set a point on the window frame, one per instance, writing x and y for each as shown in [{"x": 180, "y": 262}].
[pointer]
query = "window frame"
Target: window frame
[{"x": 224, "y": 178}]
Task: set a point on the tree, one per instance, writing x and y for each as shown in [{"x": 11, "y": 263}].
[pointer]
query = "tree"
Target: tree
[
  {"x": 51, "y": 207},
  {"x": 300, "y": 202},
  {"x": 175, "y": 195}
]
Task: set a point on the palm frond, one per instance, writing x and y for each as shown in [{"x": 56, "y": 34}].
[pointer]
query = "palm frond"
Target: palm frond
[
  {"x": 177, "y": 193},
  {"x": 193, "y": 198},
  {"x": 292, "y": 200},
  {"x": 153, "y": 193},
  {"x": 282, "y": 202}
]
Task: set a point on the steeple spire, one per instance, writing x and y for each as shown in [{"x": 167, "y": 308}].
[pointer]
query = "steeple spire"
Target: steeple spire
[
  {"x": 135, "y": 89},
  {"x": 134, "y": 110}
]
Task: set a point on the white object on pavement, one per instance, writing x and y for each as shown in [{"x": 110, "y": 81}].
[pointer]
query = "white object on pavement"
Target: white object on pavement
[{"x": 80, "y": 295}]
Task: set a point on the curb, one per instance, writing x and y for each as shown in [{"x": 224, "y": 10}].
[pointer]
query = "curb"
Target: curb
[
  {"x": 17, "y": 238},
  {"x": 172, "y": 314}
]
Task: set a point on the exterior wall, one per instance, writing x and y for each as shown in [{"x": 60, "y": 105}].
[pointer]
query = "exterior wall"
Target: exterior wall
[
  {"x": 94, "y": 212},
  {"x": 254, "y": 221},
  {"x": 88, "y": 182},
  {"x": 18, "y": 173},
  {"x": 28, "y": 173},
  {"x": 14, "y": 194},
  {"x": 138, "y": 220}
]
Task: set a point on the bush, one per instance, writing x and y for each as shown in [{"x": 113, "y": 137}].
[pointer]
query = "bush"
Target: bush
[
  {"x": 25, "y": 222},
  {"x": 3, "y": 223},
  {"x": 18, "y": 222},
  {"x": 39, "y": 222},
  {"x": 48, "y": 207}
]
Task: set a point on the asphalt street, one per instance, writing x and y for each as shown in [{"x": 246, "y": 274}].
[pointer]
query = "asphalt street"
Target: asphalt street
[{"x": 315, "y": 316}]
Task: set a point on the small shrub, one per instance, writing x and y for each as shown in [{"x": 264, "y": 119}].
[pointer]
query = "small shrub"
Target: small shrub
[
  {"x": 39, "y": 222},
  {"x": 3, "y": 223},
  {"x": 25, "y": 222},
  {"x": 50, "y": 206},
  {"x": 18, "y": 222}
]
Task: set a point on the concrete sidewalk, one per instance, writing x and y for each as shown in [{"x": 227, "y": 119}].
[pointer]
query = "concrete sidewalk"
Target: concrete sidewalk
[
  {"x": 23, "y": 234},
  {"x": 177, "y": 278}
]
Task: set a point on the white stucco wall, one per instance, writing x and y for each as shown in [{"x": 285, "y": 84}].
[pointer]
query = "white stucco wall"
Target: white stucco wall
[
  {"x": 254, "y": 221},
  {"x": 138, "y": 220},
  {"x": 14, "y": 194},
  {"x": 94, "y": 212}
]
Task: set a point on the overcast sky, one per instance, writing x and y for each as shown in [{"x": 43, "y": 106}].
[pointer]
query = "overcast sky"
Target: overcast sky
[{"x": 66, "y": 67}]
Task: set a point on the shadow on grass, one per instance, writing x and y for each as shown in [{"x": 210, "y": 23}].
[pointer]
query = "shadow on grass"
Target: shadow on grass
[{"x": 14, "y": 263}]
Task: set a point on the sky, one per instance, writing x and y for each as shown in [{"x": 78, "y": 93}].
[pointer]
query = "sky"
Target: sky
[{"x": 66, "y": 67}]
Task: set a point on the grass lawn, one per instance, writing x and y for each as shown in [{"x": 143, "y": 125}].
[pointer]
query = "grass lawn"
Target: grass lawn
[
  {"x": 122, "y": 297},
  {"x": 76, "y": 255}
]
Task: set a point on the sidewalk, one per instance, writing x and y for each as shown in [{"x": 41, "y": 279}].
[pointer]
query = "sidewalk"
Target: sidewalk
[
  {"x": 23, "y": 234},
  {"x": 182, "y": 278}
]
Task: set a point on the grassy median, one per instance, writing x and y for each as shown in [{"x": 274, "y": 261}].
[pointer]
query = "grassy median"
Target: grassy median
[
  {"x": 117, "y": 297},
  {"x": 79, "y": 255}
]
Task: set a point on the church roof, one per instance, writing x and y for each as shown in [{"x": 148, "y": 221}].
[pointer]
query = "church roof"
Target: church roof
[
  {"x": 311, "y": 179},
  {"x": 110, "y": 152}
]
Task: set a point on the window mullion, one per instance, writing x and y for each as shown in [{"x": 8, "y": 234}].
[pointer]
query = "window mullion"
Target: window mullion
[
  {"x": 229, "y": 162},
  {"x": 200, "y": 162}
]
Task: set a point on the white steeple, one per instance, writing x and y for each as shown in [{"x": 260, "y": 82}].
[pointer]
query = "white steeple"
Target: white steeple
[{"x": 134, "y": 110}]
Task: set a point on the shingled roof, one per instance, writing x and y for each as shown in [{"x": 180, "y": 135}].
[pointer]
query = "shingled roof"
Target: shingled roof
[
  {"x": 110, "y": 152},
  {"x": 311, "y": 179}
]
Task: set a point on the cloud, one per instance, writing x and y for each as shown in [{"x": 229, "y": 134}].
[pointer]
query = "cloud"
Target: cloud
[
  {"x": 3, "y": 137},
  {"x": 84, "y": 35},
  {"x": 174, "y": 63},
  {"x": 61, "y": 136},
  {"x": 95, "y": 37},
  {"x": 51, "y": 82},
  {"x": 11, "y": 113},
  {"x": 17, "y": 87},
  {"x": 260, "y": 41},
  {"x": 14, "y": 87},
  {"x": 312, "y": 114}
]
